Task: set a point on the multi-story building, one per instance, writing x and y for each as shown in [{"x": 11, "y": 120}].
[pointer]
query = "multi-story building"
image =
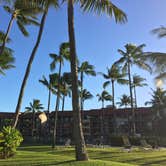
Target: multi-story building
[{"x": 98, "y": 124}]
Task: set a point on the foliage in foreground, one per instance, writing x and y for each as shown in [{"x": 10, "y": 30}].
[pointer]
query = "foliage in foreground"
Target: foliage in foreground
[{"x": 10, "y": 139}]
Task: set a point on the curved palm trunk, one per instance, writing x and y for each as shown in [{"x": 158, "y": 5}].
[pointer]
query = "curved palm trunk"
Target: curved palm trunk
[
  {"x": 113, "y": 94},
  {"x": 57, "y": 106},
  {"x": 131, "y": 98},
  {"x": 7, "y": 33},
  {"x": 80, "y": 149},
  {"x": 135, "y": 96},
  {"x": 28, "y": 69}
]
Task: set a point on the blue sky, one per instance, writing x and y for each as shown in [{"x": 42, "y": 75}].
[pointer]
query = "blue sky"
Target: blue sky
[{"x": 97, "y": 37}]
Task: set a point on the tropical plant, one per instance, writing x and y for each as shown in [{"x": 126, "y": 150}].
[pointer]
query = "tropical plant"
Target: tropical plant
[
  {"x": 10, "y": 139},
  {"x": 99, "y": 7},
  {"x": 86, "y": 95},
  {"x": 63, "y": 54},
  {"x": 6, "y": 59},
  {"x": 132, "y": 56},
  {"x": 158, "y": 59},
  {"x": 24, "y": 14},
  {"x": 158, "y": 101},
  {"x": 104, "y": 96},
  {"x": 114, "y": 74},
  {"x": 47, "y": 4},
  {"x": 34, "y": 107},
  {"x": 85, "y": 68},
  {"x": 138, "y": 81},
  {"x": 124, "y": 101}
]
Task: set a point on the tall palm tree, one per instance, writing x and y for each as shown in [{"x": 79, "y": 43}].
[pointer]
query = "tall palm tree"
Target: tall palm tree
[
  {"x": 132, "y": 56},
  {"x": 104, "y": 6},
  {"x": 85, "y": 68},
  {"x": 138, "y": 81},
  {"x": 86, "y": 95},
  {"x": 34, "y": 107},
  {"x": 47, "y": 4},
  {"x": 24, "y": 14},
  {"x": 63, "y": 54},
  {"x": 104, "y": 96},
  {"x": 114, "y": 75},
  {"x": 124, "y": 101}
]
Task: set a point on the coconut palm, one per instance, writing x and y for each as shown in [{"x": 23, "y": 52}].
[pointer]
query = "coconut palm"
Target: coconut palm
[
  {"x": 158, "y": 59},
  {"x": 6, "y": 59},
  {"x": 47, "y": 4},
  {"x": 85, "y": 68},
  {"x": 24, "y": 14},
  {"x": 158, "y": 101},
  {"x": 104, "y": 96},
  {"x": 34, "y": 107},
  {"x": 63, "y": 54},
  {"x": 138, "y": 81},
  {"x": 114, "y": 75},
  {"x": 132, "y": 56},
  {"x": 124, "y": 101},
  {"x": 86, "y": 95},
  {"x": 66, "y": 84},
  {"x": 99, "y": 7}
]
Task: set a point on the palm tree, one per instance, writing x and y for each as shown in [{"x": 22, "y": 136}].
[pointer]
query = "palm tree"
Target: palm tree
[
  {"x": 132, "y": 56},
  {"x": 34, "y": 107},
  {"x": 6, "y": 60},
  {"x": 86, "y": 95},
  {"x": 47, "y": 4},
  {"x": 138, "y": 81},
  {"x": 104, "y": 96},
  {"x": 124, "y": 101},
  {"x": 63, "y": 53},
  {"x": 24, "y": 14},
  {"x": 66, "y": 84},
  {"x": 104, "y": 6},
  {"x": 158, "y": 101},
  {"x": 85, "y": 68},
  {"x": 158, "y": 59},
  {"x": 114, "y": 74}
]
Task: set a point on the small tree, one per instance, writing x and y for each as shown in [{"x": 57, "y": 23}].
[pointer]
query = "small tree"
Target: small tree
[
  {"x": 10, "y": 139},
  {"x": 34, "y": 107}
]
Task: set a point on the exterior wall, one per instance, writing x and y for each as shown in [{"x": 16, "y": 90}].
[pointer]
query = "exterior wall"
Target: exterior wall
[{"x": 98, "y": 125}]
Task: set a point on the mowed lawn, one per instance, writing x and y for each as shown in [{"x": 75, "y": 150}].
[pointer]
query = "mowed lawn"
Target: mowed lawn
[{"x": 44, "y": 155}]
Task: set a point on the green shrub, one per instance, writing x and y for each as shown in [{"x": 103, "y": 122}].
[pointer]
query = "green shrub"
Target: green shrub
[{"x": 10, "y": 139}]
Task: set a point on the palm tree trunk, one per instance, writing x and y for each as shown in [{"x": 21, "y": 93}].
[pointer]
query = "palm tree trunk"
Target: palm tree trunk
[
  {"x": 80, "y": 149},
  {"x": 7, "y": 33},
  {"x": 113, "y": 94},
  {"x": 33, "y": 122},
  {"x": 81, "y": 102},
  {"x": 135, "y": 96},
  {"x": 48, "y": 108},
  {"x": 28, "y": 69},
  {"x": 57, "y": 106},
  {"x": 131, "y": 98}
]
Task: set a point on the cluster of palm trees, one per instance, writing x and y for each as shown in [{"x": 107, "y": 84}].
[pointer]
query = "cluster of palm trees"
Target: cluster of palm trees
[{"x": 26, "y": 13}]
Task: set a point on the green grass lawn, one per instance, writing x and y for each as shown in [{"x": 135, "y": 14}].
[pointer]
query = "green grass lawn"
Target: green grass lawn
[{"x": 44, "y": 155}]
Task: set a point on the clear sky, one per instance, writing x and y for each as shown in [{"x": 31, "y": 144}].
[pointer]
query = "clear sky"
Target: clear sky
[{"x": 97, "y": 37}]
